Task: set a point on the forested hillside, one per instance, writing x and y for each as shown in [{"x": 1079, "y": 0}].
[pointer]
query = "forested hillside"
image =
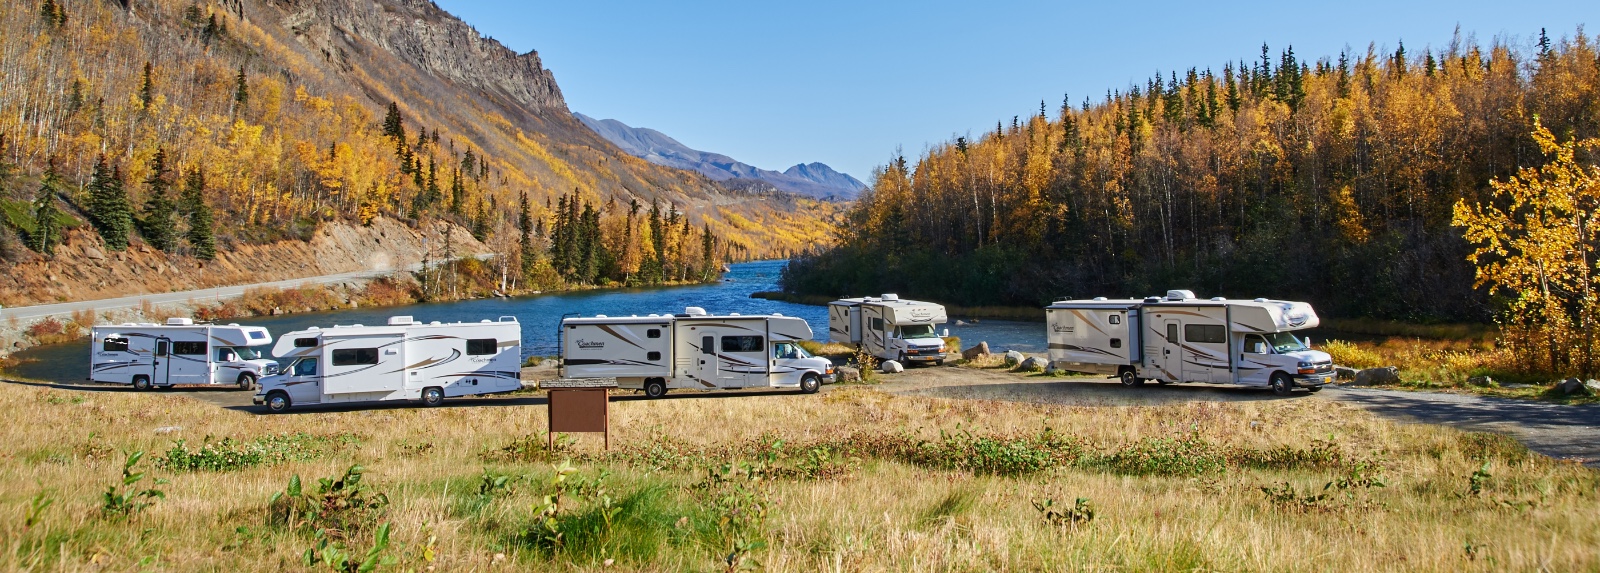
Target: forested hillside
[
  {"x": 1329, "y": 179},
  {"x": 189, "y": 127}
]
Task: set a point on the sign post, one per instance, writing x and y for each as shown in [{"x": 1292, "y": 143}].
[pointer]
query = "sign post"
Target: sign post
[{"x": 578, "y": 405}]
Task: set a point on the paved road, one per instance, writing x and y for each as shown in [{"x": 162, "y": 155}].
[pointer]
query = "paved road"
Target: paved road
[
  {"x": 25, "y": 313},
  {"x": 1556, "y": 430}
]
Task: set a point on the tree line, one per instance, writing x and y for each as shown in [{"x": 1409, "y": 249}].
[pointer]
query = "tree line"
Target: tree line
[{"x": 1332, "y": 181}]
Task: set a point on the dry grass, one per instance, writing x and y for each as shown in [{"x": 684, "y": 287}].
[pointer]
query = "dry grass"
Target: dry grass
[
  {"x": 1425, "y": 364},
  {"x": 880, "y": 513}
]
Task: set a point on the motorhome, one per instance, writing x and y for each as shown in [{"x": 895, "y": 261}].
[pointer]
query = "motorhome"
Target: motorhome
[
  {"x": 402, "y": 360},
  {"x": 889, "y": 328},
  {"x": 692, "y": 350},
  {"x": 1180, "y": 338},
  {"x": 152, "y": 355}
]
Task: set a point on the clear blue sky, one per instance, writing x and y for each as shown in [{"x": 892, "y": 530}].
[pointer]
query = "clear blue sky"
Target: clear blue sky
[{"x": 846, "y": 83}]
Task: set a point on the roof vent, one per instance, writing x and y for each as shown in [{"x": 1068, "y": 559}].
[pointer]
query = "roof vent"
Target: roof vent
[
  {"x": 777, "y": 314},
  {"x": 314, "y": 328},
  {"x": 1152, "y": 300},
  {"x": 733, "y": 314},
  {"x": 1261, "y": 300},
  {"x": 435, "y": 323},
  {"x": 1099, "y": 298},
  {"x": 890, "y": 297},
  {"x": 233, "y": 324},
  {"x": 694, "y": 311},
  {"x": 486, "y": 321},
  {"x": 176, "y": 321},
  {"x": 600, "y": 316},
  {"x": 1180, "y": 294},
  {"x": 1218, "y": 298},
  {"x": 400, "y": 320}
]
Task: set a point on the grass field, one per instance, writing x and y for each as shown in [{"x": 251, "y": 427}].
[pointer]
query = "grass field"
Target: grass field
[{"x": 854, "y": 479}]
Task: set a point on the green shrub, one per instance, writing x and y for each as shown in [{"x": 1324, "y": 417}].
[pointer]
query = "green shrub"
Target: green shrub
[
  {"x": 228, "y": 454},
  {"x": 339, "y": 507},
  {"x": 1186, "y": 456},
  {"x": 124, "y": 499}
]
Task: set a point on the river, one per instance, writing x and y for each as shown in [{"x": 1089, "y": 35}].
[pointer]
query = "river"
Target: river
[{"x": 541, "y": 314}]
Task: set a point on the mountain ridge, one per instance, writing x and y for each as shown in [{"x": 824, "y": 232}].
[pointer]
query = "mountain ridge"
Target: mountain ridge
[{"x": 813, "y": 179}]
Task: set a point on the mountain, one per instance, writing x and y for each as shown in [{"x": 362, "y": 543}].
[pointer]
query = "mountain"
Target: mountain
[
  {"x": 306, "y": 115},
  {"x": 812, "y": 179}
]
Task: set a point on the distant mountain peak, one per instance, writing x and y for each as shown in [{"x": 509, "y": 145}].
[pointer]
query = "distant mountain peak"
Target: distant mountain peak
[{"x": 811, "y": 179}]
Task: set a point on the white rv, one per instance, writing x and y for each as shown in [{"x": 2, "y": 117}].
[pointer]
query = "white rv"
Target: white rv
[
  {"x": 692, "y": 350},
  {"x": 178, "y": 352},
  {"x": 402, "y": 360},
  {"x": 1178, "y": 338},
  {"x": 889, "y": 328}
]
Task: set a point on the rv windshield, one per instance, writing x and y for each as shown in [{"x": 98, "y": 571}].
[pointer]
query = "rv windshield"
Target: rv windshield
[
  {"x": 1285, "y": 342},
  {"x": 247, "y": 353},
  {"x": 918, "y": 331}
]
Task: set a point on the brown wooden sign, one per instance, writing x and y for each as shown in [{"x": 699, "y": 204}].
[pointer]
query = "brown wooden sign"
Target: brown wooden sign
[{"x": 579, "y": 406}]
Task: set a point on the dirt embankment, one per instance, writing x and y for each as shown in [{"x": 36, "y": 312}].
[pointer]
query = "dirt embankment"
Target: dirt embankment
[{"x": 82, "y": 268}]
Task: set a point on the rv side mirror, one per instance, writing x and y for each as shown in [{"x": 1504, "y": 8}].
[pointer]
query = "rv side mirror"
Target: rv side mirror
[{"x": 945, "y": 333}]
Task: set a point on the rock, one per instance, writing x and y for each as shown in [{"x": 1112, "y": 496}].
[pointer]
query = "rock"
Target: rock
[
  {"x": 979, "y": 351},
  {"x": 1482, "y": 382},
  {"x": 549, "y": 363},
  {"x": 1343, "y": 373},
  {"x": 93, "y": 254},
  {"x": 1032, "y": 364},
  {"x": 849, "y": 374},
  {"x": 1373, "y": 376},
  {"x": 1014, "y": 358},
  {"x": 1052, "y": 369},
  {"x": 1573, "y": 386},
  {"x": 892, "y": 367},
  {"x": 168, "y": 429},
  {"x": 961, "y": 323},
  {"x": 1593, "y": 385}
]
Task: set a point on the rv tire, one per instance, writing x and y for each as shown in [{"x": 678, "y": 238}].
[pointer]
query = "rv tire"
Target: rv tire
[
  {"x": 432, "y": 396},
  {"x": 810, "y": 384},
  {"x": 247, "y": 381},
  {"x": 1130, "y": 379},
  {"x": 1281, "y": 384},
  {"x": 278, "y": 402},
  {"x": 655, "y": 388},
  {"x": 141, "y": 383}
]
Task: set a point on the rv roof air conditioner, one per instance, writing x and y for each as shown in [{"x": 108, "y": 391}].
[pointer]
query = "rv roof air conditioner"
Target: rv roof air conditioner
[
  {"x": 694, "y": 311},
  {"x": 1180, "y": 294},
  {"x": 400, "y": 320},
  {"x": 890, "y": 297},
  {"x": 175, "y": 321}
]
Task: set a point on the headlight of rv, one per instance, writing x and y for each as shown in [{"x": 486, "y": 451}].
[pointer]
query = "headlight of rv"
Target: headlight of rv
[
  {"x": 830, "y": 370},
  {"x": 1307, "y": 368}
]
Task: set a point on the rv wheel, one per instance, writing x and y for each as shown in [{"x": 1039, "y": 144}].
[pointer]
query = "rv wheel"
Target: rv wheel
[
  {"x": 247, "y": 381},
  {"x": 1282, "y": 385},
  {"x": 1130, "y": 379},
  {"x": 141, "y": 383},
  {"x": 810, "y": 383},
  {"x": 432, "y": 397},
  {"x": 655, "y": 389},
  {"x": 278, "y": 402}
]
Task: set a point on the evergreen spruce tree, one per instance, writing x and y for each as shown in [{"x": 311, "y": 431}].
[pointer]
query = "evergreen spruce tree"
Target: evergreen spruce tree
[
  {"x": 158, "y": 226},
  {"x": 1344, "y": 75},
  {"x": 480, "y": 223},
  {"x": 393, "y": 124},
  {"x": 109, "y": 211},
  {"x": 458, "y": 192},
  {"x": 432, "y": 186},
  {"x": 46, "y": 218},
  {"x": 1232, "y": 97},
  {"x": 1400, "y": 60},
  {"x": 200, "y": 235},
  {"x": 241, "y": 89},
  {"x": 525, "y": 225},
  {"x": 148, "y": 90},
  {"x": 708, "y": 245}
]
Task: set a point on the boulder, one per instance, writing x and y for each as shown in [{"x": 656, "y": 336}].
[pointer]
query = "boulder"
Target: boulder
[
  {"x": 849, "y": 374},
  {"x": 1014, "y": 358},
  {"x": 1374, "y": 376},
  {"x": 1593, "y": 385},
  {"x": 1033, "y": 364},
  {"x": 1482, "y": 382},
  {"x": 94, "y": 254},
  {"x": 1052, "y": 369},
  {"x": 1343, "y": 373},
  {"x": 549, "y": 363},
  {"x": 892, "y": 367},
  {"x": 1573, "y": 386},
  {"x": 979, "y": 351}
]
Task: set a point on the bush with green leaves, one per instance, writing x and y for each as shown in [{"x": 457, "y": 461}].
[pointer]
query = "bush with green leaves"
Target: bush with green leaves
[
  {"x": 339, "y": 507},
  {"x": 333, "y": 554},
  {"x": 229, "y": 454},
  {"x": 124, "y": 498}
]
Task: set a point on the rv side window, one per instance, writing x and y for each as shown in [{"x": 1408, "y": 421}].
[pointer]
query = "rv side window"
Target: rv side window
[
  {"x": 355, "y": 356},
  {"x": 708, "y": 345},
  {"x": 1172, "y": 333},
  {"x": 1115, "y": 319},
  {"x": 161, "y": 347},
  {"x": 1205, "y": 333},
  {"x": 653, "y": 333},
  {"x": 306, "y": 367},
  {"x": 189, "y": 348},
  {"x": 482, "y": 347},
  {"x": 305, "y": 343},
  {"x": 116, "y": 345},
  {"x": 877, "y": 324},
  {"x": 742, "y": 344}
]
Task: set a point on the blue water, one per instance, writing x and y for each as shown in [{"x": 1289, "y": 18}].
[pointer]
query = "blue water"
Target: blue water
[{"x": 540, "y": 316}]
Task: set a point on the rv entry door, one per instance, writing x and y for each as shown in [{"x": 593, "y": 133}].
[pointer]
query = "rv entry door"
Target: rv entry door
[
  {"x": 706, "y": 370},
  {"x": 161, "y": 362},
  {"x": 1172, "y": 352}
]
